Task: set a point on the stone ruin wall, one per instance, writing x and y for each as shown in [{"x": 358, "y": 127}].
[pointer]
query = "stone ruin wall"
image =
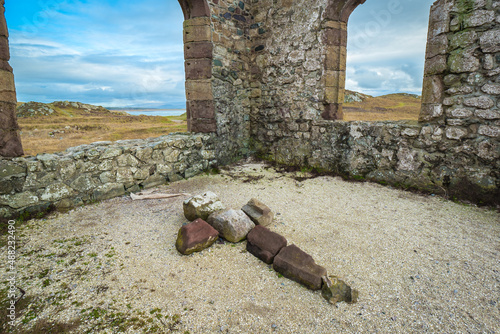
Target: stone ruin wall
[
  {"x": 266, "y": 78},
  {"x": 453, "y": 150}
]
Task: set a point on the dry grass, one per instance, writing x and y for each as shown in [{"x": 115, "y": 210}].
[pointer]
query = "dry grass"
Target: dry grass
[
  {"x": 69, "y": 128},
  {"x": 49, "y": 134},
  {"x": 393, "y": 107}
]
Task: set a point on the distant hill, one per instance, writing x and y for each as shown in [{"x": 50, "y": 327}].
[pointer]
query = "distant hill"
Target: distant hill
[
  {"x": 391, "y": 107},
  {"x": 59, "y": 108}
]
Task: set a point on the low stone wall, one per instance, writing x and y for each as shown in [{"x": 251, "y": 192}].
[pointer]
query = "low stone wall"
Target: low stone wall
[
  {"x": 100, "y": 171},
  {"x": 423, "y": 157}
]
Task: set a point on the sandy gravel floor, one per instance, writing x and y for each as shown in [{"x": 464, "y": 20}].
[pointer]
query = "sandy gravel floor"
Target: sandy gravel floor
[{"x": 420, "y": 263}]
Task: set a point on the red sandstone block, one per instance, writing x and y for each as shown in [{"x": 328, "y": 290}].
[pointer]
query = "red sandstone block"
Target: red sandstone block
[
  {"x": 264, "y": 243},
  {"x": 197, "y": 50},
  {"x": 197, "y": 69},
  {"x": 195, "y": 237},
  {"x": 300, "y": 267},
  {"x": 201, "y": 109}
]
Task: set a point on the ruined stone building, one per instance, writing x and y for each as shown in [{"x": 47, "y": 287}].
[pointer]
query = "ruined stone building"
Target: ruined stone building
[{"x": 266, "y": 78}]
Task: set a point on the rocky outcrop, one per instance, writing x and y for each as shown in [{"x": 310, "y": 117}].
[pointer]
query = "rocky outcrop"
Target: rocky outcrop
[{"x": 33, "y": 109}]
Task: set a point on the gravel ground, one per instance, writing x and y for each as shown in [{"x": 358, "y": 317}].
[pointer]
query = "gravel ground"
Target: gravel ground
[{"x": 420, "y": 263}]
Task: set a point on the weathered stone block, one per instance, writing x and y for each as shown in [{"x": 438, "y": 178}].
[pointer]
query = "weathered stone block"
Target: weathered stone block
[
  {"x": 488, "y": 114},
  {"x": 20, "y": 200},
  {"x": 460, "y": 112},
  {"x": 336, "y": 291},
  {"x": 299, "y": 266},
  {"x": 197, "y": 34},
  {"x": 493, "y": 89},
  {"x": 197, "y": 69},
  {"x": 111, "y": 153},
  {"x": 432, "y": 90},
  {"x": 202, "y": 125},
  {"x": 202, "y": 206},
  {"x": 463, "y": 60},
  {"x": 233, "y": 225},
  {"x": 430, "y": 112},
  {"x": 153, "y": 181},
  {"x": 56, "y": 191},
  {"x": 333, "y": 111},
  {"x": 195, "y": 237},
  {"x": 335, "y": 37},
  {"x": 462, "y": 39},
  {"x": 108, "y": 191},
  {"x": 199, "y": 90},
  {"x": 201, "y": 109},
  {"x": 482, "y": 102},
  {"x": 489, "y": 130},
  {"x": 479, "y": 18},
  {"x": 258, "y": 212},
  {"x": 264, "y": 244},
  {"x": 197, "y": 50},
  {"x": 436, "y": 65},
  {"x": 10, "y": 143},
  {"x": 9, "y": 168},
  {"x": 83, "y": 183},
  {"x": 335, "y": 58},
  {"x": 456, "y": 133},
  {"x": 437, "y": 45}
]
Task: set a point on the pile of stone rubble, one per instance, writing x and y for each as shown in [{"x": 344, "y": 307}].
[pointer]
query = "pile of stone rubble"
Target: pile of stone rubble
[{"x": 211, "y": 220}]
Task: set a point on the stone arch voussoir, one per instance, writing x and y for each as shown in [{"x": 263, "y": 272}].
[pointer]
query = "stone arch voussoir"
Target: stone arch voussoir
[
  {"x": 198, "y": 54},
  {"x": 335, "y": 40}
]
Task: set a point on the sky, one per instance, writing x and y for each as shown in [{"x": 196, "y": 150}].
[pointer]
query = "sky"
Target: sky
[{"x": 122, "y": 53}]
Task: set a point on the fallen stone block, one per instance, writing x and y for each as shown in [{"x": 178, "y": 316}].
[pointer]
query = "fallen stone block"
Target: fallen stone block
[
  {"x": 299, "y": 266},
  {"x": 233, "y": 225},
  {"x": 195, "y": 237},
  {"x": 258, "y": 212},
  {"x": 336, "y": 291},
  {"x": 202, "y": 206},
  {"x": 264, "y": 243}
]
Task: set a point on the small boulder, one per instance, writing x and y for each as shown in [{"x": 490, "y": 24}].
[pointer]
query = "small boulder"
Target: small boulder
[
  {"x": 336, "y": 291},
  {"x": 258, "y": 212},
  {"x": 202, "y": 206},
  {"x": 233, "y": 225},
  {"x": 299, "y": 266},
  {"x": 264, "y": 243},
  {"x": 195, "y": 237}
]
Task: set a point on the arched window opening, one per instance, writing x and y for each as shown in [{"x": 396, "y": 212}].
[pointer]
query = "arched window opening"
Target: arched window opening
[
  {"x": 123, "y": 56},
  {"x": 385, "y": 60}
]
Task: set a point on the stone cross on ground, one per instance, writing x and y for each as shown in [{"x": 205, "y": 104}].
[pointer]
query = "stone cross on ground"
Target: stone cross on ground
[{"x": 210, "y": 220}]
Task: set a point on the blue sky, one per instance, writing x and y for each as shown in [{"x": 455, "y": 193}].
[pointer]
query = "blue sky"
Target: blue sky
[{"x": 121, "y": 53}]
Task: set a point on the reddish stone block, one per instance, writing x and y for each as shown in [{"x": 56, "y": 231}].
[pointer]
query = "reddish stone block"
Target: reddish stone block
[
  {"x": 264, "y": 243},
  {"x": 195, "y": 237},
  {"x": 198, "y": 50},
  {"x": 198, "y": 69},
  {"x": 202, "y": 125},
  {"x": 201, "y": 109},
  {"x": 333, "y": 111},
  {"x": 300, "y": 267},
  {"x": 336, "y": 37},
  {"x": 10, "y": 144}
]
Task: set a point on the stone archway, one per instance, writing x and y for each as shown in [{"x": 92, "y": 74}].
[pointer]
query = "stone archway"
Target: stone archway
[
  {"x": 198, "y": 50},
  {"x": 335, "y": 39}
]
